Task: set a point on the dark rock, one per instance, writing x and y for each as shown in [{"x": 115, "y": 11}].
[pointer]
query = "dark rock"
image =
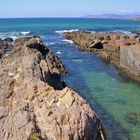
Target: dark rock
[
  {"x": 138, "y": 39},
  {"x": 8, "y": 39},
  {"x": 4, "y": 48},
  {"x": 136, "y": 32}
]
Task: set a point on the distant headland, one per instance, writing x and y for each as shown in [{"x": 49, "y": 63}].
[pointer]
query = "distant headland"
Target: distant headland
[{"x": 114, "y": 16}]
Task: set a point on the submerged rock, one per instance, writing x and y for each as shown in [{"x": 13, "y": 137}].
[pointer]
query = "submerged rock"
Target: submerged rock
[
  {"x": 35, "y": 103},
  {"x": 133, "y": 118},
  {"x": 119, "y": 49}
]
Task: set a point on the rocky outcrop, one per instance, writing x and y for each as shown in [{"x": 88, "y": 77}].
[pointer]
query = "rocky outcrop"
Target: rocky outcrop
[
  {"x": 136, "y": 32},
  {"x": 8, "y": 39},
  {"x": 4, "y": 48},
  {"x": 130, "y": 60},
  {"x": 119, "y": 49},
  {"x": 34, "y": 103}
]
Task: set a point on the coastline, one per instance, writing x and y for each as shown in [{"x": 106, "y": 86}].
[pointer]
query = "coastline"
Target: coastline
[
  {"x": 122, "y": 50},
  {"x": 35, "y": 102},
  {"x": 107, "y": 92}
]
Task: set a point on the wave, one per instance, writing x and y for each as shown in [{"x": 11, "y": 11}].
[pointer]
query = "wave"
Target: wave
[
  {"x": 122, "y": 31},
  {"x": 69, "y": 41},
  {"x": 64, "y": 31},
  {"x": 13, "y": 35},
  {"x": 115, "y": 31},
  {"x": 25, "y": 33},
  {"x": 77, "y": 60},
  {"x": 49, "y": 44},
  {"x": 93, "y": 32},
  {"x": 58, "y": 52}
]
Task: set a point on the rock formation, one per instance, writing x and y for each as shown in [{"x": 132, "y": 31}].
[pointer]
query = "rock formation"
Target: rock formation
[
  {"x": 34, "y": 103},
  {"x": 119, "y": 49}
]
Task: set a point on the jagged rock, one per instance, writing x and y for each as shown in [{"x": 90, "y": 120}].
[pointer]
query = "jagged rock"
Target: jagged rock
[
  {"x": 97, "y": 44},
  {"x": 4, "y": 48},
  {"x": 8, "y": 39},
  {"x": 119, "y": 49},
  {"x": 34, "y": 104}
]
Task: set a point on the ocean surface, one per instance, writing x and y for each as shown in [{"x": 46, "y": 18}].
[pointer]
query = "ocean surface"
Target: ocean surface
[{"x": 116, "y": 99}]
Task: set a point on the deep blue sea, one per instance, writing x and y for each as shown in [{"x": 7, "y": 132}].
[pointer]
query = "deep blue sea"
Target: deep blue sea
[{"x": 116, "y": 99}]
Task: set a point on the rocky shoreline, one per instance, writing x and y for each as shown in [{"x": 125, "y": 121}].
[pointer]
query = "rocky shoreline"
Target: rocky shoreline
[
  {"x": 119, "y": 49},
  {"x": 34, "y": 103}
]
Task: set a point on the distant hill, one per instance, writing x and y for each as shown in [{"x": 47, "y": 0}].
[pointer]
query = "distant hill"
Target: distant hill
[
  {"x": 135, "y": 18},
  {"x": 113, "y": 16}
]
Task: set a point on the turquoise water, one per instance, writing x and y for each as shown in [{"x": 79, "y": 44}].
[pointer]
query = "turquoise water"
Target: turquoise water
[{"x": 116, "y": 99}]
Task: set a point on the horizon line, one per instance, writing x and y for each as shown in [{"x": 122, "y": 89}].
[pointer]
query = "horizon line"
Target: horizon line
[{"x": 83, "y": 16}]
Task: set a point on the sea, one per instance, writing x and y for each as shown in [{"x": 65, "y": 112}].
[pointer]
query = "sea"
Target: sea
[{"x": 116, "y": 99}]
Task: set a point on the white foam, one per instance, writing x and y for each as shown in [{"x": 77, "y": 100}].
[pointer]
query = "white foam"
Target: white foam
[
  {"x": 77, "y": 60},
  {"x": 93, "y": 32},
  {"x": 58, "y": 52},
  {"x": 49, "y": 44},
  {"x": 64, "y": 31},
  {"x": 69, "y": 41},
  {"x": 13, "y": 37},
  {"x": 25, "y": 33},
  {"x": 122, "y": 31}
]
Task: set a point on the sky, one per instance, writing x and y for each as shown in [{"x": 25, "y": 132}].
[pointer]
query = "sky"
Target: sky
[{"x": 66, "y": 8}]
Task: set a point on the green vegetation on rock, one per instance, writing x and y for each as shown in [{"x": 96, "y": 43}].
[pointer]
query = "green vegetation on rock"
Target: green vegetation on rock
[{"x": 35, "y": 136}]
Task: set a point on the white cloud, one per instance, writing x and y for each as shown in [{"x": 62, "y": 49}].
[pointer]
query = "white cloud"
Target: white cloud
[{"x": 127, "y": 11}]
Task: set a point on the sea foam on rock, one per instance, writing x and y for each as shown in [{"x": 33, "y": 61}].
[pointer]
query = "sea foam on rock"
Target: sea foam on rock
[{"x": 35, "y": 103}]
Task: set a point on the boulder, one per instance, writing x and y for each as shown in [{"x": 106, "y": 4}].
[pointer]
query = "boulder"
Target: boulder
[
  {"x": 130, "y": 59},
  {"x": 4, "y": 48},
  {"x": 8, "y": 39},
  {"x": 138, "y": 39}
]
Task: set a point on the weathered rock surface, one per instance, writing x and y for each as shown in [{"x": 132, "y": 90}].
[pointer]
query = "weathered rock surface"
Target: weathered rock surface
[
  {"x": 120, "y": 49},
  {"x": 136, "y": 32},
  {"x": 8, "y": 39},
  {"x": 4, "y": 48},
  {"x": 34, "y": 102}
]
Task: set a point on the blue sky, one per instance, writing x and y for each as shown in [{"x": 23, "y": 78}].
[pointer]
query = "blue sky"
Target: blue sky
[{"x": 66, "y": 8}]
